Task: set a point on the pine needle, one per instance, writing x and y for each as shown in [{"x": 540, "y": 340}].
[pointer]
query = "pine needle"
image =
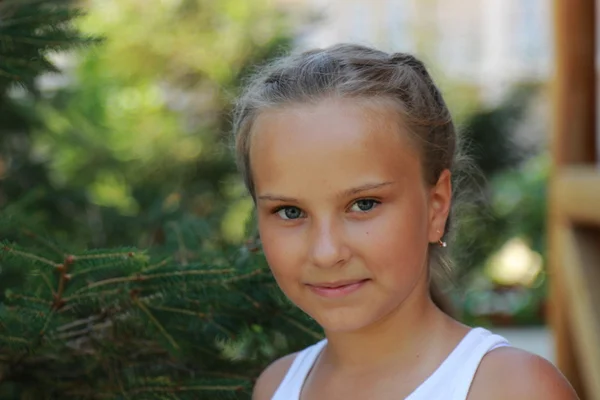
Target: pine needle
[
  {"x": 156, "y": 323},
  {"x": 180, "y": 311},
  {"x": 31, "y": 256},
  {"x": 140, "y": 277}
]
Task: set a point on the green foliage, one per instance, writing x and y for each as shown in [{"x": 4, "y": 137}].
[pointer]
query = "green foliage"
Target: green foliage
[
  {"x": 31, "y": 30},
  {"x": 148, "y": 115},
  {"x": 129, "y": 324},
  {"x": 507, "y": 192},
  {"x": 137, "y": 135},
  {"x": 490, "y": 133}
]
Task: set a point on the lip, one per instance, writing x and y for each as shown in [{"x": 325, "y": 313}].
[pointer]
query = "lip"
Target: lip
[{"x": 337, "y": 289}]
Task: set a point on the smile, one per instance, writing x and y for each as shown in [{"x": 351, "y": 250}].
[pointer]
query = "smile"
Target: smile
[{"x": 337, "y": 289}]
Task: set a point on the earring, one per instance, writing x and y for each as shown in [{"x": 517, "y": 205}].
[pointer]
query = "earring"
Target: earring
[{"x": 441, "y": 242}]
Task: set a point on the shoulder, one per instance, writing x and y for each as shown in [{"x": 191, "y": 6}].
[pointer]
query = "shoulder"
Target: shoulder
[
  {"x": 510, "y": 373},
  {"x": 269, "y": 380}
]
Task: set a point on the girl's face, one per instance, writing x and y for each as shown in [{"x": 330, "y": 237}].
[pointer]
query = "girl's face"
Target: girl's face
[{"x": 344, "y": 215}]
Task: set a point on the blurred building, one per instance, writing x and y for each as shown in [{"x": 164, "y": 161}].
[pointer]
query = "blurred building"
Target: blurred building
[{"x": 490, "y": 43}]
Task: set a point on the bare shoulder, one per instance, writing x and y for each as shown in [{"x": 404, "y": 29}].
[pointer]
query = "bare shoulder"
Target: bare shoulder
[
  {"x": 269, "y": 380},
  {"x": 510, "y": 373}
]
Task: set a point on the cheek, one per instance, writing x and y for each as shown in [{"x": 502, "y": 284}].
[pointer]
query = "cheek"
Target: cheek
[
  {"x": 395, "y": 244},
  {"x": 282, "y": 251}
]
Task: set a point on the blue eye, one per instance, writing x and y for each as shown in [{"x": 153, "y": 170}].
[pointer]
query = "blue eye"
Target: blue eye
[
  {"x": 364, "y": 205},
  {"x": 289, "y": 212}
]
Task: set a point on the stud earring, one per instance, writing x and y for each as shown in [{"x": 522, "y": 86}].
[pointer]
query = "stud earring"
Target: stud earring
[{"x": 441, "y": 242}]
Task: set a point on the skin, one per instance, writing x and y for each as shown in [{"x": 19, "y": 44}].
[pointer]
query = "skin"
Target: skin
[{"x": 340, "y": 195}]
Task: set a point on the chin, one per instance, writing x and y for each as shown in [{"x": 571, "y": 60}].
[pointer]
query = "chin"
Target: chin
[{"x": 344, "y": 320}]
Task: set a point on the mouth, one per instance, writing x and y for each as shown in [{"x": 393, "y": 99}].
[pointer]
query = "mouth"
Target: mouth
[{"x": 338, "y": 288}]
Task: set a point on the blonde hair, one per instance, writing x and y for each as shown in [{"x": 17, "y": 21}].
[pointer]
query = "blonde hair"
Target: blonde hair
[{"x": 354, "y": 71}]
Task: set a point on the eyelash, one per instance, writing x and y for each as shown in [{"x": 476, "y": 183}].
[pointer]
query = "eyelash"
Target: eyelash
[{"x": 376, "y": 203}]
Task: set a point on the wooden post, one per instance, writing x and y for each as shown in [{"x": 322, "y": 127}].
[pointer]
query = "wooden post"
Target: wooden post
[{"x": 573, "y": 143}]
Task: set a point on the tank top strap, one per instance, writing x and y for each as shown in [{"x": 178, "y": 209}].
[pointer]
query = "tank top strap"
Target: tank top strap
[
  {"x": 466, "y": 373},
  {"x": 291, "y": 385}
]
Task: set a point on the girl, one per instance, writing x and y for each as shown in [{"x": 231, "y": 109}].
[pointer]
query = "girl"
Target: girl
[{"x": 348, "y": 153}]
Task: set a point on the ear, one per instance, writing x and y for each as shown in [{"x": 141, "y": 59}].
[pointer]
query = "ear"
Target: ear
[{"x": 440, "y": 200}]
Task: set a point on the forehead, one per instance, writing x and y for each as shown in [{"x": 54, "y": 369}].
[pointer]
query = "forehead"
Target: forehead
[{"x": 334, "y": 141}]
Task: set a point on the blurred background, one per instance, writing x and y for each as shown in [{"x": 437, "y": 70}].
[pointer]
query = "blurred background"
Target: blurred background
[{"x": 125, "y": 126}]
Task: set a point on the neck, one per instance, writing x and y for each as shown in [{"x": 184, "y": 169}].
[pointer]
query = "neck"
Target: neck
[{"x": 405, "y": 335}]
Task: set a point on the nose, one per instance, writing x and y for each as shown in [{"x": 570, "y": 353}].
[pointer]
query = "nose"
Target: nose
[{"x": 327, "y": 246}]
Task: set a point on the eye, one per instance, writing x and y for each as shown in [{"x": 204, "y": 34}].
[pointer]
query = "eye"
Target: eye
[
  {"x": 289, "y": 212},
  {"x": 364, "y": 205}
]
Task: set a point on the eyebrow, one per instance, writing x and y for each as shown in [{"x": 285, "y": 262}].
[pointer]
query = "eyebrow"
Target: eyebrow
[
  {"x": 365, "y": 187},
  {"x": 346, "y": 193}
]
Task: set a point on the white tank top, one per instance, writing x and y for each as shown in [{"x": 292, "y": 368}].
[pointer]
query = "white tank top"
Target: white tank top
[{"x": 451, "y": 381}]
